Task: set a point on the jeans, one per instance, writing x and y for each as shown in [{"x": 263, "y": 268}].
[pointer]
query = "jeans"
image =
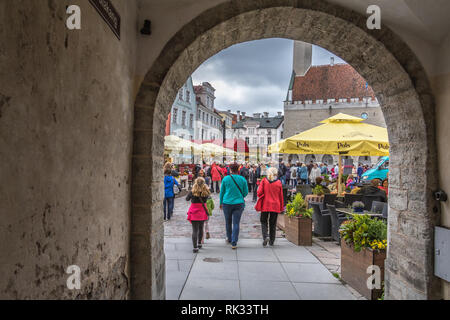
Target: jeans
[
  {"x": 217, "y": 186},
  {"x": 197, "y": 233},
  {"x": 168, "y": 207},
  {"x": 269, "y": 220},
  {"x": 233, "y": 213},
  {"x": 283, "y": 179}
]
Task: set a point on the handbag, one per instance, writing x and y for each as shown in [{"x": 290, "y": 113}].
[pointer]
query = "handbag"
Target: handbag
[
  {"x": 174, "y": 185},
  {"x": 242, "y": 194},
  {"x": 203, "y": 205},
  {"x": 259, "y": 203}
]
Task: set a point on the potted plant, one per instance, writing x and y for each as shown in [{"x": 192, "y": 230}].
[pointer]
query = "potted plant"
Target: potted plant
[
  {"x": 358, "y": 207},
  {"x": 318, "y": 190},
  {"x": 363, "y": 244},
  {"x": 298, "y": 225}
]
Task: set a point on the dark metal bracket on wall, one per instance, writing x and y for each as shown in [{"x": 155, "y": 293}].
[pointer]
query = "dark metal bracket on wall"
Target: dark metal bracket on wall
[{"x": 107, "y": 11}]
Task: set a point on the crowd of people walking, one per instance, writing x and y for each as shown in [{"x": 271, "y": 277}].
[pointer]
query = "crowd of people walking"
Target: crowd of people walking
[{"x": 233, "y": 182}]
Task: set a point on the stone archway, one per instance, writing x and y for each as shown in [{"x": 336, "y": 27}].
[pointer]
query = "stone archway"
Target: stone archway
[{"x": 379, "y": 56}]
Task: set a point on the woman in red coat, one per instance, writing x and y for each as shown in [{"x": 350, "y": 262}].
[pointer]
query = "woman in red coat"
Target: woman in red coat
[
  {"x": 216, "y": 177},
  {"x": 270, "y": 204}
]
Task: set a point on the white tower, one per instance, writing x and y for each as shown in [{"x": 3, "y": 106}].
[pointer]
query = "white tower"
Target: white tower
[{"x": 302, "y": 57}]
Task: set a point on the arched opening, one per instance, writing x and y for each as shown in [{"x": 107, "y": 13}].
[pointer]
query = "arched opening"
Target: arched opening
[
  {"x": 327, "y": 159},
  {"x": 380, "y": 57},
  {"x": 309, "y": 158}
]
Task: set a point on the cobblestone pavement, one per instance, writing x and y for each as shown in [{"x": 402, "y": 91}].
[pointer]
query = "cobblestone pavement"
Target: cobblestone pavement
[{"x": 250, "y": 227}]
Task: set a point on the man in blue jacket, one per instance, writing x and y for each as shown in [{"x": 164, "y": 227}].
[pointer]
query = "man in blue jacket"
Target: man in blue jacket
[{"x": 169, "y": 195}]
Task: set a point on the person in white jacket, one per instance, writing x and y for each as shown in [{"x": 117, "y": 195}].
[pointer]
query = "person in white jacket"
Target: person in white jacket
[{"x": 315, "y": 172}]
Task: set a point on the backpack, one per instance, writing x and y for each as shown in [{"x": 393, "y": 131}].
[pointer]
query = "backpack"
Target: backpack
[{"x": 294, "y": 174}]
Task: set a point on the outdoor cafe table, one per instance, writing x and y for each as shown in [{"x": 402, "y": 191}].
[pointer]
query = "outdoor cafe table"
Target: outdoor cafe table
[{"x": 350, "y": 212}]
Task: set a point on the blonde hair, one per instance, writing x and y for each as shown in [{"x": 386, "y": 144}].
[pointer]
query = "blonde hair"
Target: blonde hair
[
  {"x": 272, "y": 174},
  {"x": 200, "y": 189}
]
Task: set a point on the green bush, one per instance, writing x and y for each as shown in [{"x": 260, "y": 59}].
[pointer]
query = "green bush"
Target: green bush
[
  {"x": 318, "y": 190},
  {"x": 298, "y": 208},
  {"x": 364, "y": 232}
]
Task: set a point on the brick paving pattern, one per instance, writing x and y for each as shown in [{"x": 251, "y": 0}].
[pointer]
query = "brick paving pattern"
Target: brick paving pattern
[{"x": 178, "y": 226}]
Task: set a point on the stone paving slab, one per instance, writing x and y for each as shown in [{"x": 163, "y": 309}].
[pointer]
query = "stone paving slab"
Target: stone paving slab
[
  {"x": 251, "y": 272},
  {"x": 211, "y": 289},
  {"x": 323, "y": 291},
  {"x": 267, "y": 290},
  {"x": 178, "y": 226}
]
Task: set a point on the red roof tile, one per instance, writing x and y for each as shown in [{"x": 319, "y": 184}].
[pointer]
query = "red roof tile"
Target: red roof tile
[{"x": 327, "y": 82}]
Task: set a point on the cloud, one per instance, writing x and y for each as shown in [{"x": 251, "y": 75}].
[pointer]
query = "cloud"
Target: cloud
[{"x": 253, "y": 76}]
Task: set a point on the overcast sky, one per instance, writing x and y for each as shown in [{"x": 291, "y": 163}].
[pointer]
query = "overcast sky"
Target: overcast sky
[{"x": 254, "y": 76}]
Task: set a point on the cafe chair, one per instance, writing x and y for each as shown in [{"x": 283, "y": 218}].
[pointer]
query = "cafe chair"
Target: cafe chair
[
  {"x": 321, "y": 220},
  {"x": 368, "y": 200},
  {"x": 385, "y": 210},
  {"x": 377, "y": 206},
  {"x": 348, "y": 200},
  {"x": 329, "y": 199},
  {"x": 304, "y": 189},
  {"x": 336, "y": 221}
]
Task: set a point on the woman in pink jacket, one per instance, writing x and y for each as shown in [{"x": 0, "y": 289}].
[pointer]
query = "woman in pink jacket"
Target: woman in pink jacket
[
  {"x": 198, "y": 213},
  {"x": 270, "y": 204}
]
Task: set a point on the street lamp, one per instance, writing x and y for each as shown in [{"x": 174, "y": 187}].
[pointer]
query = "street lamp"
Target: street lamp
[{"x": 224, "y": 131}]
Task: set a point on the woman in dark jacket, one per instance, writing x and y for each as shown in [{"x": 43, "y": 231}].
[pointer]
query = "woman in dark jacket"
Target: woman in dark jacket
[{"x": 270, "y": 203}]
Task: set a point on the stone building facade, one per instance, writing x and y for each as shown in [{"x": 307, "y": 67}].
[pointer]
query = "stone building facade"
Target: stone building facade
[
  {"x": 319, "y": 92},
  {"x": 259, "y": 132},
  {"x": 209, "y": 121},
  {"x": 184, "y": 112}
]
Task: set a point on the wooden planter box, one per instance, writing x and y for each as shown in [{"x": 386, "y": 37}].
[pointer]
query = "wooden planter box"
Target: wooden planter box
[
  {"x": 281, "y": 221},
  {"x": 298, "y": 230},
  {"x": 354, "y": 268}
]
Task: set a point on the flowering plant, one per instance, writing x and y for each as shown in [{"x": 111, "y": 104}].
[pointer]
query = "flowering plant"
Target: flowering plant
[
  {"x": 364, "y": 232},
  {"x": 318, "y": 190},
  {"x": 357, "y": 204},
  {"x": 298, "y": 208}
]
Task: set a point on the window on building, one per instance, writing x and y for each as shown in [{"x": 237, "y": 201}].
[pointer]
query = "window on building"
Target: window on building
[
  {"x": 191, "y": 120},
  {"x": 180, "y": 94},
  {"x": 203, "y": 116},
  {"x": 269, "y": 140},
  {"x": 183, "y": 118},
  {"x": 262, "y": 140},
  {"x": 207, "y": 102},
  {"x": 175, "y": 115},
  {"x": 331, "y": 100},
  {"x": 269, "y": 132},
  {"x": 255, "y": 140},
  {"x": 207, "y": 118},
  {"x": 188, "y": 96},
  {"x": 251, "y": 130},
  {"x": 319, "y": 101},
  {"x": 247, "y": 140}
]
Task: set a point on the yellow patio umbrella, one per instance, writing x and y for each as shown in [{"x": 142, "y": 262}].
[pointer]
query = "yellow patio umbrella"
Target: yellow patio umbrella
[{"x": 340, "y": 135}]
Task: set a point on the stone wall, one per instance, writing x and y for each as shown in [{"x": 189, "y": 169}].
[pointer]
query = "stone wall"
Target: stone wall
[
  {"x": 380, "y": 57},
  {"x": 66, "y": 101}
]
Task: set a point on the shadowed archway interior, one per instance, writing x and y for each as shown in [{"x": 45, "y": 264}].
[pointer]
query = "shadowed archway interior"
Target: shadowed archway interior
[{"x": 389, "y": 66}]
